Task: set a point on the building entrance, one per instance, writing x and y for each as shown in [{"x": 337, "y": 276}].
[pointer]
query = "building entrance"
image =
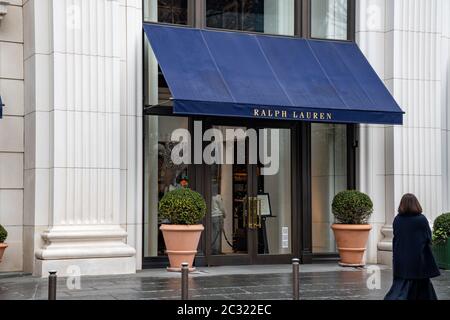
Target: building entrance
[{"x": 249, "y": 194}]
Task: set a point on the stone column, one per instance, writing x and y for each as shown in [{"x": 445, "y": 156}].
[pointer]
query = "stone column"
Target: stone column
[
  {"x": 370, "y": 36},
  {"x": 73, "y": 139},
  {"x": 152, "y": 137},
  {"x": 400, "y": 159},
  {"x": 131, "y": 128},
  {"x": 445, "y": 98}
]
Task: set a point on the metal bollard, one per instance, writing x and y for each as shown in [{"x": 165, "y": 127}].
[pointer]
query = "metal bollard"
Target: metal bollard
[
  {"x": 184, "y": 281},
  {"x": 295, "y": 278},
  {"x": 52, "y": 278}
]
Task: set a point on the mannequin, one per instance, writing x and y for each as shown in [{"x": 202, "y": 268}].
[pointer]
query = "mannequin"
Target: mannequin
[{"x": 217, "y": 217}]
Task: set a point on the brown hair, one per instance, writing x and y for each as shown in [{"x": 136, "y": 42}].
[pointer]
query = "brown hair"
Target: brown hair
[{"x": 409, "y": 205}]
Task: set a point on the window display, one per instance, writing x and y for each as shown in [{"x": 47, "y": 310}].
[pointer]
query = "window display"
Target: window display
[{"x": 161, "y": 176}]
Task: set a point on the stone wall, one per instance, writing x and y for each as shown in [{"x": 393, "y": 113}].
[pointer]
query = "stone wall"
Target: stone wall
[
  {"x": 405, "y": 42},
  {"x": 83, "y": 62},
  {"x": 12, "y": 134}
]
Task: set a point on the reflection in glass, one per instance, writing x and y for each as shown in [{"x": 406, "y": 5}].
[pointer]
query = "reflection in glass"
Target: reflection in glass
[
  {"x": 275, "y": 236},
  {"x": 265, "y": 16},
  {"x": 156, "y": 91},
  {"x": 231, "y": 213},
  {"x": 229, "y": 189},
  {"x": 166, "y": 11},
  {"x": 329, "y": 19},
  {"x": 161, "y": 176},
  {"x": 329, "y": 176}
]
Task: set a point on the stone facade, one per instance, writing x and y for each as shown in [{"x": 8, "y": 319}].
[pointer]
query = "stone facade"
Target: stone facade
[
  {"x": 12, "y": 134},
  {"x": 407, "y": 44},
  {"x": 83, "y": 136},
  {"x": 71, "y": 76}
]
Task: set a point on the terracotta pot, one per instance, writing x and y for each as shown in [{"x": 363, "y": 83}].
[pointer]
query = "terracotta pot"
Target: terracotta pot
[
  {"x": 181, "y": 244},
  {"x": 351, "y": 241},
  {"x": 3, "y": 247}
]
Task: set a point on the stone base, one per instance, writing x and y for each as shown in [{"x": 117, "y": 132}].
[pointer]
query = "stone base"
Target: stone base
[
  {"x": 385, "y": 258},
  {"x": 87, "y": 267}
]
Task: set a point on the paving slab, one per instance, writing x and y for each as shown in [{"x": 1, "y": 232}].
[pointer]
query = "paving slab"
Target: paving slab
[{"x": 317, "y": 282}]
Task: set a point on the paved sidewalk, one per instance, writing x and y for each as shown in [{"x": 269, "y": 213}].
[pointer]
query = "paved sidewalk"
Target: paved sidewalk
[{"x": 318, "y": 282}]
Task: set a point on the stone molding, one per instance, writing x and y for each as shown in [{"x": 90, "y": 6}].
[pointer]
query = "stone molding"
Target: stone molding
[
  {"x": 3, "y": 9},
  {"x": 82, "y": 243}
]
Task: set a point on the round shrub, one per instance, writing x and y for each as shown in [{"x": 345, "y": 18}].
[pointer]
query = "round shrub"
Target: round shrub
[
  {"x": 441, "y": 228},
  {"x": 352, "y": 207},
  {"x": 3, "y": 234},
  {"x": 182, "y": 206}
]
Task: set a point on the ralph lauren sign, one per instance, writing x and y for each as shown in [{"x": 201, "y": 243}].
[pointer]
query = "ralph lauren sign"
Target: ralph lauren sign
[
  {"x": 284, "y": 113},
  {"x": 295, "y": 115}
]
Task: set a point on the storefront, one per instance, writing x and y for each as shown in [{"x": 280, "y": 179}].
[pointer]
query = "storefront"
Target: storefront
[
  {"x": 279, "y": 96},
  {"x": 72, "y": 161}
]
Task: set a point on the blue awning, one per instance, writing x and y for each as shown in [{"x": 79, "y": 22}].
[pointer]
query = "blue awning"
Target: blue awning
[{"x": 222, "y": 73}]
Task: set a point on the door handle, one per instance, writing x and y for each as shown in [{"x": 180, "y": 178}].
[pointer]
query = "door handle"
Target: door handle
[
  {"x": 252, "y": 213},
  {"x": 248, "y": 212},
  {"x": 259, "y": 212},
  {"x": 252, "y": 209}
]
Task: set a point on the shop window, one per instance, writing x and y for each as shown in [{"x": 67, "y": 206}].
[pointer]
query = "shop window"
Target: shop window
[
  {"x": 161, "y": 175},
  {"x": 265, "y": 16},
  {"x": 156, "y": 91},
  {"x": 166, "y": 11},
  {"x": 329, "y": 176},
  {"x": 329, "y": 19},
  {"x": 230, "y": 185}
]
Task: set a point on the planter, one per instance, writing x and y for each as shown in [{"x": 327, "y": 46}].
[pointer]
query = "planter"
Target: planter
[
  {"x": 441, "y": 253},
  {"x": 181, "y": 244},
  {"x": 3, "y": 247},
  {"x": 351, "y": 240}
]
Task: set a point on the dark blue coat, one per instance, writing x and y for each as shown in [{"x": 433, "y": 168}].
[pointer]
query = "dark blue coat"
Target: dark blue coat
[{"x": 412, "y": 256}]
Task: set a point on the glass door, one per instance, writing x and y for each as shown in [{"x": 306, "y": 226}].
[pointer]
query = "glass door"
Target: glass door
[
  {"x": 229, "y": 179},
  {"x": 250, "y": 216},
  {"x": 273, "y": 197}
]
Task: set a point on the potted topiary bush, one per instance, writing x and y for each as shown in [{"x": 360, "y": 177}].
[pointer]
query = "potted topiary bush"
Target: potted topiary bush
[
  {"x": 181, "y": 210},
  {"x": 441, "y": 240},
  {"x": 352, "y": 209},
  {"x": 3, "y": 245}
]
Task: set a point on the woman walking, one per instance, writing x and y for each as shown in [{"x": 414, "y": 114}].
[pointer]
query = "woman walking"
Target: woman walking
[{"x": 413, "y": 261}]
